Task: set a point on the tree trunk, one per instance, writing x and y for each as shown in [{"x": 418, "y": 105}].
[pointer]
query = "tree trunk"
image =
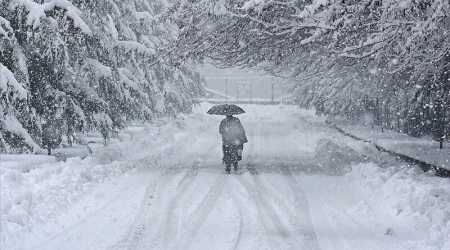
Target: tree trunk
[{"x": 444, "y": 112}]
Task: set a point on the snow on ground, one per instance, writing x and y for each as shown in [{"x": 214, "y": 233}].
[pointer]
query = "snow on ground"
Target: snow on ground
[
  {"x": 93, "y": 141},
  {"x": 406, "y": 194},
  {"x": 23, "y": 163},
  {"x": 34, "y": 189},
  {"x": 423, "y": 149},
  {"x": 301, "y": 185}
]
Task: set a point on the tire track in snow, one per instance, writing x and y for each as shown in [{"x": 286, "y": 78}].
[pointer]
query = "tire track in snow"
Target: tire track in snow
[
  {"x": 162, "y": 223},
  {"x": 199, "y": 217},
  {"x": 241, "y": 224},
  {"x": 138, "y": 226},
  {"x": 152, "y": 215},
  {"x": 270, "y": 221},
  {"x": 342, "y": 242},
  {"x": 343, "y": 230},
  {"x": 268, "y": 215},
  {"x": 302, "y": 219},
  {"x": 151, "y": 229},
  {"x": 243, "y": 241},
  {"x": 91, "y": 215},
  {"x": 172, "y": 223}
]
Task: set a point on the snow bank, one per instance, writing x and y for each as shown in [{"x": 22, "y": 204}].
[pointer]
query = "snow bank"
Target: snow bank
[
  {"x": 408, "y": 194},
  {"x": 32, "y": 197},
  {"x": 334, "y": 155},
  {"x": 24, "y": 162},
  {"x": 422, "y": 149},
  {"x": 158, "y": 142}
]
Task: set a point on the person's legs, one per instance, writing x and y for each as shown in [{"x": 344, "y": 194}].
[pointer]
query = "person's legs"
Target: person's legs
[
  {"x": 228, "y": 167},
  {"x": 234, "y": 156},
  {"x": 227, "y": 156},
  {"x": 224, "y": 150},
  {"x": 240, "y": 148}
]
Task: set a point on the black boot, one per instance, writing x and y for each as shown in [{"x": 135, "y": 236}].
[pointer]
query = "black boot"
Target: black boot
[{"x": 235, "y": 166}]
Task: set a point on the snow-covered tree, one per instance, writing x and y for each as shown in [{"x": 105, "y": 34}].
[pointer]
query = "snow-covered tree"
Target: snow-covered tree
[
  {"x": 82, "y": 63},
  {"x": 386, "y": 56},
  {"x": 14, "y": 109}
]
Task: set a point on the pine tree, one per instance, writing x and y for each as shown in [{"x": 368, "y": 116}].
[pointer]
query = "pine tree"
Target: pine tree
[{"x": 90, "y": 66}]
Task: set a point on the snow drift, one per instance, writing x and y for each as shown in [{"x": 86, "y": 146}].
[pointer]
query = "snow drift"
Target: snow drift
[
  {"x": 335, "y": 156},
  {"x": 32, "y": 194},
  {"x": 407, "y": 194}
]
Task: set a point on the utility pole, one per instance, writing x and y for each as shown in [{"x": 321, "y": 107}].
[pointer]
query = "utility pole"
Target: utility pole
[
  {"x": 251, "y": 93},
  {"x": 245, "y": 84},
  {"x": 206, "y": 94},
  {"x": 237, "y": 92},
  {"x": 273, "y": 87},
  {"x": 226, "y": 88},
  {"x": 444, "y": 114}
]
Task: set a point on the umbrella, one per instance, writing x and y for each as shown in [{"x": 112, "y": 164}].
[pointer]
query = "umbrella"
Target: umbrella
[{"x": 226, "y": 109}]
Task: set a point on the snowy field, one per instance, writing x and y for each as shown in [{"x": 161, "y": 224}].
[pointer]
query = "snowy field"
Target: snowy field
[{"x": 301, "y": 185}]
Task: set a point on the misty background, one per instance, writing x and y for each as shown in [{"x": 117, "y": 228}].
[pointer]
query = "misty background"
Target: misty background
[{"x": 248, "y": 82}]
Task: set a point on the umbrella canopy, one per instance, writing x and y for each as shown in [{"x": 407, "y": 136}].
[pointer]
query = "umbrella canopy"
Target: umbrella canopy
[{"x": 226, "y": 109}]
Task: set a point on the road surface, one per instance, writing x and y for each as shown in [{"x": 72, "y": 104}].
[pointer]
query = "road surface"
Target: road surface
[{"x": 282, "y": 197}]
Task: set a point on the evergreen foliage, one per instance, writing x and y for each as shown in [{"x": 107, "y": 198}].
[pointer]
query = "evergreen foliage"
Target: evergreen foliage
[
  {"x": 86, "y": 65},
  {"x": 390, "y": 58}
]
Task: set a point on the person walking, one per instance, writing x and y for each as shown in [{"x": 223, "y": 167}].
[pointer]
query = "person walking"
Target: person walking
[{"x": 233, "y": 139}]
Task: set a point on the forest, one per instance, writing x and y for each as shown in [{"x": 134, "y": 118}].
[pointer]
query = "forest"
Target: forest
[
  {"x": 388, "y": 60},
  {"x": 80, "y": 65},
  {"x": 68, "y": 67}
]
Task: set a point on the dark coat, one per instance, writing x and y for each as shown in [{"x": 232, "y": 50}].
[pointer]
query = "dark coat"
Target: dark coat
[{"x": 232, "y": 131}]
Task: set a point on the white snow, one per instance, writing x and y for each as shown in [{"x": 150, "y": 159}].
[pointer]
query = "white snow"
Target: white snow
[
  {"x": 135, "y": 46},
  {"x": 5, "y": 24},
  {"x": 7, "y": 80},
  {"x": 128, "y": 78},
  {"x": 423, "y": 149},
  {"x": 35, "y": 191},
  {"x": 112, "y": 28},
  {"x": 37, "y": 12},
  {"x": 24, "y": 162},
  {"x": 144, "y": 15},
  {"x": 98, "y": 67},
  {"x": 256, "y": 4},
  {"x": 301, "y": 185},
  {"x": 14, "y": 126},
  {"x": 313, "y": 7},
  {"x": 407, "y": 195}
]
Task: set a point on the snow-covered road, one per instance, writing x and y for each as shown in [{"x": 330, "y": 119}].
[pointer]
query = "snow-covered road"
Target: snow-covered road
[{"x": 291, "y": 192}]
